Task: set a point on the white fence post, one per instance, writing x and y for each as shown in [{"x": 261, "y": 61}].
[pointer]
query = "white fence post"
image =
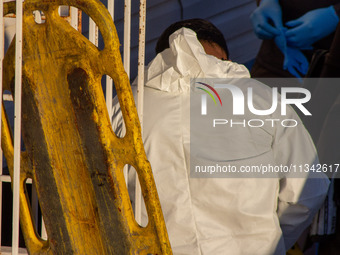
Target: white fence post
[
  {"x": 17, "y": 127},
  {"x": 140, "y": 95}
]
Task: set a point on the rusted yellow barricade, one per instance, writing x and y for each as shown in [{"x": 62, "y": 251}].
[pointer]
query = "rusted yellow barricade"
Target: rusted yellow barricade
[{"x": 74, "y": 158}]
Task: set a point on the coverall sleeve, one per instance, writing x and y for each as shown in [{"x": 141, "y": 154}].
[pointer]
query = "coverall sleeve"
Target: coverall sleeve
[
  {"x": 118, "y": 125},
  {"x": 300, "y": 196},
  {"x": 299, "y": 200}
]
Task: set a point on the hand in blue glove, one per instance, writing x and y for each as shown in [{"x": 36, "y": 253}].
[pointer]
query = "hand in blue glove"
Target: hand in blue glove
[
  {"x": 266, "y": 19},
  {"x": 294, "y": 61},
  {"x": 311, "y": 27}
]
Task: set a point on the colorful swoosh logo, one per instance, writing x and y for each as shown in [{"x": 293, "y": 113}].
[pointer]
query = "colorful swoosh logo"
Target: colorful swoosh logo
[{"x": 209, "y": 93}]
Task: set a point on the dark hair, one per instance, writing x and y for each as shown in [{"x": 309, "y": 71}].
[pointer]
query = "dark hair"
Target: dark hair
[{"x": 204, "y": 29}]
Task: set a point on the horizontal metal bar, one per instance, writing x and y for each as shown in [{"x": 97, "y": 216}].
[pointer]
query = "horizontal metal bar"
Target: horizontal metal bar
[
  {"x": 7, "y": 251},
  {"x": 7, "y": 178}
]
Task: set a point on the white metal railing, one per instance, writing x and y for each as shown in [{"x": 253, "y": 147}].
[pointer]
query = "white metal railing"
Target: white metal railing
[
  {"x": 109, "y": 83},
  {"x": 17, "y": 126},
  {"x": 93, "y": 37},
  {"x": 140, "y": 96}
]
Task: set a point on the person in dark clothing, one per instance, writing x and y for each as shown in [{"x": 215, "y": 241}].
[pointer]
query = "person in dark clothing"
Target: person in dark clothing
[
  {"x": 324, "y": 128},
  {"x": 307, "y": 26}
]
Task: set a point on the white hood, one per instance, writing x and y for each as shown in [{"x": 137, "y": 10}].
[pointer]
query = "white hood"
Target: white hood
[{"x": 169, "y": 70}]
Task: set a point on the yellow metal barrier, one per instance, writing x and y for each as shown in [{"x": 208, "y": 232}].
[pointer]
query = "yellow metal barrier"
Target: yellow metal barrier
[
  {"x": 74, "y": 158},
  {"x": 295, "y": 250}
]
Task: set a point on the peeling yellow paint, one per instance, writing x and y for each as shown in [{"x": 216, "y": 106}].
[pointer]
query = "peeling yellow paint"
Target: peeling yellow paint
[{"x": 72, "y": 154}]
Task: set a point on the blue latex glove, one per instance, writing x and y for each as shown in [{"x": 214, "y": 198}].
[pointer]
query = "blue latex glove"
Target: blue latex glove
[
  {"x": 266, "y": 19},
  {"x": 295, "y": 61},
  {"x": 311, "y": 27}
]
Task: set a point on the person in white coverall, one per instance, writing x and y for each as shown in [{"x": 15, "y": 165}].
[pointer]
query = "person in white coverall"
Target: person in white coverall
[{"x": 220, "y": 215}]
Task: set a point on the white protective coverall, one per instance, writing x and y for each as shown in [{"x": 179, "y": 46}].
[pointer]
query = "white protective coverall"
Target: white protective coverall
[{"x": 219, "y": 215}]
